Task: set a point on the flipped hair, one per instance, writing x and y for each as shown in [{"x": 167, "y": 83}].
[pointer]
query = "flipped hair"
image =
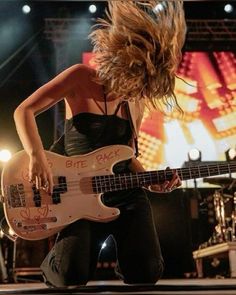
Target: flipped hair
[{"x": 138, "y": 49}]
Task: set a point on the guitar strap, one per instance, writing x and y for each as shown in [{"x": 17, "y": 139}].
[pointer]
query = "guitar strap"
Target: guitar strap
[
  {"x": 130, "y": 108},
  {"x": 58, "y": 146}
]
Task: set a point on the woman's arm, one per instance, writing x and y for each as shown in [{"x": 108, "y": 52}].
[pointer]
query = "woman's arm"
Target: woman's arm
[
  {"x": 42, "y": 99},
  {"x": 136, "y": 166}
]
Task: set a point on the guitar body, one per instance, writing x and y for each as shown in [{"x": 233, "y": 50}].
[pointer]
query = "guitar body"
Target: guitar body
[{"x": 33, "y": 215}]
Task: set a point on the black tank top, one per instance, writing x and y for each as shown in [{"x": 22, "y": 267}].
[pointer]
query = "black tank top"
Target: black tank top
[{"x": 86, "y": 132}]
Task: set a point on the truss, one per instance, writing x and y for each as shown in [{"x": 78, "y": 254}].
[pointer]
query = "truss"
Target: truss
[
  {"x": 199, "y": 30},
  {"x": 214, "y": 30}
]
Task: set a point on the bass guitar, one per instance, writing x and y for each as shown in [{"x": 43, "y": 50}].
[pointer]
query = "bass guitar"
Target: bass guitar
[{"x": 79, "y": 182}]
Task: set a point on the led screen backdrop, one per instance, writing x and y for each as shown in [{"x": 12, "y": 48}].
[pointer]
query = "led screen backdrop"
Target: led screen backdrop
[{"x": 207, "y": 94}]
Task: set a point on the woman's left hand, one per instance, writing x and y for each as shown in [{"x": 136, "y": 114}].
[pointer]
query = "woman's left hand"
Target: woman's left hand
[{"x": 167, "y": 186}]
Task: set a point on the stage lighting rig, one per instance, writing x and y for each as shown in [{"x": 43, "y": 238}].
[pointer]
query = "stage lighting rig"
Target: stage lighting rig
[
  {"x": 92, "y": 8},
  {"x": 230, "y": 154},
  {"x": 194, "y": 155},
  {"x": 228, "y": 8}
]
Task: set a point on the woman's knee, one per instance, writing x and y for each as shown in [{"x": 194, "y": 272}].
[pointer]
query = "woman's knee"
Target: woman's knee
[
  {"x": 64, "y": 273},
  {"x": 144, "y": 274},
  {"x": 66, "y": 277},
  {"x": 74, "y": 276}
]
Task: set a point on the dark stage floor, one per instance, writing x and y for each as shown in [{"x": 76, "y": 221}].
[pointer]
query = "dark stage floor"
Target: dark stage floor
[{"x": 164, "y": 287}]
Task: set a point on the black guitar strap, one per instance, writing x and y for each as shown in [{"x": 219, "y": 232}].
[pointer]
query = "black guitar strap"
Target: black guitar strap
[
  {"x": 134, "y": 136},
  {"x": 58, "y": 146}
]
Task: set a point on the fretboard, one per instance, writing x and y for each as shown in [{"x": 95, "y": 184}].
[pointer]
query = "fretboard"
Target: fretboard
[{"x": 115, "y": 182}]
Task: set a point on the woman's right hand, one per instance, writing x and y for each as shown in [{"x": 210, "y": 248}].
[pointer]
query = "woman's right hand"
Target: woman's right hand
[{"x": 40, "y": 173}]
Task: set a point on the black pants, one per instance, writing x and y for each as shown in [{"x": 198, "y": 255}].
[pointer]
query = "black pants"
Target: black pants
[{"x": 73, "y": 259}]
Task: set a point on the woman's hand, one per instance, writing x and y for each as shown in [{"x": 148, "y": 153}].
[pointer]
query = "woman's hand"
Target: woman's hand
[
  {"x": 167, "y": 186},
  {"x": 40, "y": 173}
]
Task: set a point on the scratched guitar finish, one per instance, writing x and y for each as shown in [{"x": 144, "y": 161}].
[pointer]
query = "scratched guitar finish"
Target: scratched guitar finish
[
  {"x": 78, "y": 184},
  {"x": 33, "y": 214}
]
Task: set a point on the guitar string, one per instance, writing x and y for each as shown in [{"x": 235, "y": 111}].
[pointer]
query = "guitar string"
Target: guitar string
[
  {"x": 105, "y": 180},
  {"x": 168, "y": 173},
  {"x": 119, "y": 179},
  {"x": 148, "y": 174},
  {"x": 23, "y": 200},
  {"x": 73, "y": 193}
]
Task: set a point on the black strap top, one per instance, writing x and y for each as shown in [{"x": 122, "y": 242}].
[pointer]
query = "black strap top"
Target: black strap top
[{"x": 86, "y": 132}]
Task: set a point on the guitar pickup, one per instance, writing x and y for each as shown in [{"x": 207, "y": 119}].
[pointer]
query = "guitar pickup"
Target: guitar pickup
[
  {"x": 56, "y": 198},
  {"x": 62, "y": 185},
  {"x": 59, "y": 189},
  {"x": 37, "y": 196}
]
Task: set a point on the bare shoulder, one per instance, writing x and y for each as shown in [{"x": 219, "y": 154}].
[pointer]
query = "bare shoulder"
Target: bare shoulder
[
  {"x": 80, "y": 70},
  {"x": 70, "y": 78}
]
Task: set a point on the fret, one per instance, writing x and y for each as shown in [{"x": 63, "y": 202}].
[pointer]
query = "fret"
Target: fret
[
  {"x": 94, "y": 181},
  {"x": 108, "y": 183},
  {"x": 151, "y": 178},
  {"x": 194, "y": 172},
  {"x": 229, "y": 168},
  {"x": 143, "y": 180},
  {"x": 138, "y": 174},
  {"x": 190, "y": 172},
  {"x": 169, "y": 174},
  {"x": 103, "y": 183},
  {"x": 137, "y": 179},
  {"x": 213, "y": 170},
  {"x": 100, "y": 184},
  {"x": 161, "y": 176},
  {"x": 120, "y": 183},
  {"x": 180, "y": 173},
  {"x": 208, "y": 171},
  {"x": 184, "y": 173},
  {"x": 125, "y": 182},
  {"x": 199, "y": 172},
  {"x": 203, "y": 171},
  {"x": 114, "y": 183},
  {"x": 158, "y": 179},
  {"x": 111, "y": 182},
  {"x": 165, "y": 175},
  {"x": 218, "y": 168},
  {"x": 132, "y": 180}
]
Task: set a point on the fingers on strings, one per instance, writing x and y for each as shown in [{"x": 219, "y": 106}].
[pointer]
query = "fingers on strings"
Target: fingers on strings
[
  {"x": 42, "y": 181},
  {"x": 173, "y": 184}
]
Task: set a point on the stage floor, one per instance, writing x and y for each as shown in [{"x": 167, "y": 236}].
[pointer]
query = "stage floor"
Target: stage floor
[{"x": 163, "y": 287}]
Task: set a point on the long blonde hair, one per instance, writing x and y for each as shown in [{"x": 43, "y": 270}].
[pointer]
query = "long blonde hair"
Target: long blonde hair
[{"x": 138, "y": 49}]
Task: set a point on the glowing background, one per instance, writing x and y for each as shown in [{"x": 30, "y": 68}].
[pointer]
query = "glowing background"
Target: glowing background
[{"x": 208, "y": 98}]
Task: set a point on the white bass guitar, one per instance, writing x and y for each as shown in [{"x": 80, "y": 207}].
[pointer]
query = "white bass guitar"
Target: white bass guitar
[{"x": 79, "y": 182}]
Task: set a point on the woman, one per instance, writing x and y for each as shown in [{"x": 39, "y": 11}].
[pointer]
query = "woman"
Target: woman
[{"x": 137, "y": 53}]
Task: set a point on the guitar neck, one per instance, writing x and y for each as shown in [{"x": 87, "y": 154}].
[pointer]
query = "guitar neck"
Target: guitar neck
[{"x": 106, "y": 183}]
